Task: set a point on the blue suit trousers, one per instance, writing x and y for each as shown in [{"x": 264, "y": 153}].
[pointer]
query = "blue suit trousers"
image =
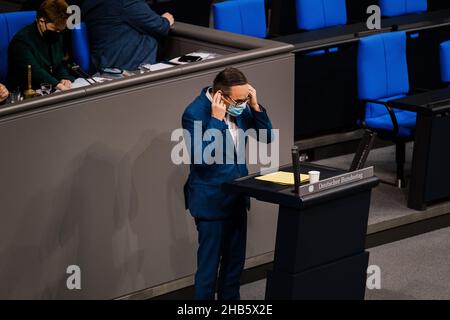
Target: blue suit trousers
[{"x": 220, "y": 256}]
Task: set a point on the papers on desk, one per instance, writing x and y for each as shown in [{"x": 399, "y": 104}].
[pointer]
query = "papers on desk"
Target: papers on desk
[
  {"x": 160, "y": 66},
  {"x": 202, "y": 54},
  {"x": 81, "y": 82},
  {"x": 283, "y": 178},
  {"x": 156, "y": 66}
]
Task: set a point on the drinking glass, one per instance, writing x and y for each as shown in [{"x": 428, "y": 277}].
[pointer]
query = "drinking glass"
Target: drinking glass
[
  {"x": 15, "y": 96},
  {"x": 46, "y": 88}
]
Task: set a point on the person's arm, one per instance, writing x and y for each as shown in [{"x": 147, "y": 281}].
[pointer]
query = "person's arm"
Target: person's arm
[
  {"x": 143, "y": 18},
  {"x": 189, "y": 122},
  {"x": 259, "y": 119},
  {"x": 21, "y": 56},
  {"x": 62, "y": 72},
  {"x": 4, "y": 93}
]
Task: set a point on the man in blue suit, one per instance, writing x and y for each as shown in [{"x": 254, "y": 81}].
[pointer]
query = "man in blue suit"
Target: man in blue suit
[
  {"x": 123, "y": 33},
  {"x": 230, "y": 106}
]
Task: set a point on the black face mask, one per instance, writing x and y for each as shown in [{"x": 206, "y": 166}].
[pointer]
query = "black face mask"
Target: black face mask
[{"x": 50, "y": 36}]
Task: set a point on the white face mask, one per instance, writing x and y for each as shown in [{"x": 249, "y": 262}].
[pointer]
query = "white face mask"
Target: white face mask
[{"x": 236, "y": 110}]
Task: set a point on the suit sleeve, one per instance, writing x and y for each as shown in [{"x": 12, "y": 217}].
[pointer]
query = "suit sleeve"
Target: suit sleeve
[
  {"x": 197, "y": 149},
  {"x": 260, "y": 121},
  {"x": 62, "y": 73},
  {"x": 140, "y": 16}
]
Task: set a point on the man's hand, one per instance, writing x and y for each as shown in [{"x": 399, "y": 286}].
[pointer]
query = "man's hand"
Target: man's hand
[
  {"x": 4, "y": 93},
  {"x": 218, "y": 107},
  {"x": 64, "y": 85},
  {"x": 253, "y": 99},
  {"x": 169, "y": 18}
]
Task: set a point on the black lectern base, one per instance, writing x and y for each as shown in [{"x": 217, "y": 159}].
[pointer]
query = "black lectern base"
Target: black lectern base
[
  {"x": 344, "y": 279},
  {"x": 321, "y": 233}
]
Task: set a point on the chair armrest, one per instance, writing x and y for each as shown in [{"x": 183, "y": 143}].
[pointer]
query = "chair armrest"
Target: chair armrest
[
  {"x": 390, "y": 111},
  {"x": 384, "y": 103}
]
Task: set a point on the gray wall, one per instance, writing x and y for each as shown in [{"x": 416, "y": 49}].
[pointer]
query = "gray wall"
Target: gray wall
[{"x": 90, "y": 182}]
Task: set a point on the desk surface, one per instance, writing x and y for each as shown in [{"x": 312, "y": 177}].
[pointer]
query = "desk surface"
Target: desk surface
[
  {"x": 348, "y": 33},
  {"x": 284, "y": 195},
  {"x": 430, "y": 102}
]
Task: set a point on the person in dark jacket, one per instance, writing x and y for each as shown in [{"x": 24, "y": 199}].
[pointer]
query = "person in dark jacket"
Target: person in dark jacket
[
  {"x": 41, "y": 45},
  {"x": 123, "y": 33},
  {"x": 221, "y": 219},
  {"x": 33, "y": 5}
]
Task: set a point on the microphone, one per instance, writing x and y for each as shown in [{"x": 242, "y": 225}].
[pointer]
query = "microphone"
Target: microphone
[
  {"x": 80, "y": 73},
  {"x": 296, "y": 167}
]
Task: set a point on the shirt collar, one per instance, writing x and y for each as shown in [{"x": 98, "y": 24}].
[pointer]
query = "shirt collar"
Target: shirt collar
[{"x": 208, "y": 93}]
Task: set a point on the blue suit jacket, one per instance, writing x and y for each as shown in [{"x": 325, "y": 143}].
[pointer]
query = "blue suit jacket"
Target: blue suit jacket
[
  {"x": 122, "y": 33},
  {"x": 203, "y": 190}
]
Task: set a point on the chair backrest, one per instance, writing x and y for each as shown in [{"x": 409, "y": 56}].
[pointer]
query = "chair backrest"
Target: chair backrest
[
  {"x": 445, "y": 61},
  {"x": 392, "y": 8},
  {"x": 382, "y": 66},
  {"x": 10, "y": 24},
  {"x": 246, "y": 17},
  {"x": 80, "y": 47},
  {"x": 317, "y": 14}
]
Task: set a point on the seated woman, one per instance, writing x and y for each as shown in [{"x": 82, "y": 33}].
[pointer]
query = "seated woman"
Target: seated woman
[
  {"x": 3, "y": 93},
  {"x": 41, "y": 45}
]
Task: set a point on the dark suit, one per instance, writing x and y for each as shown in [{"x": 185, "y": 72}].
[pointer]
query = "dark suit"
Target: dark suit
[
  {"x": 221, "y": 218},
  {"x": 122, "y": 33}
]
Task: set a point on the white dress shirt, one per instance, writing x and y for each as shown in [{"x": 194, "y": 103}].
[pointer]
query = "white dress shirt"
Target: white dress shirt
[{"x": 229, "y": 120}]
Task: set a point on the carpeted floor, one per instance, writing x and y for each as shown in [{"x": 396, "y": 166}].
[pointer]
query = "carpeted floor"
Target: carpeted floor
[
  {"x": 414, "y": 268},
  {"x": 388, "y": 202}
]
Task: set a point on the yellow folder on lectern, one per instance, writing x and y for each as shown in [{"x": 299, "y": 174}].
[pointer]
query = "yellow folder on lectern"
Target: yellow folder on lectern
[{"x": 281, "y": 177}]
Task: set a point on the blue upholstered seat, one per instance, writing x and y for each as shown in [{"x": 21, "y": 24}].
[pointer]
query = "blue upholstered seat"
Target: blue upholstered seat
[
  {"x": 445, "y": 61},
  {"x": 247, "y": 17},
  {"x": 10, "y": 24},
  {"x": 80, "y": 47},
  {"x": 392, "y": 8},
  {"x": 383, "y": 76},
  {"x": 317, "y": 14},
  {"x": 406, "y": 120}
]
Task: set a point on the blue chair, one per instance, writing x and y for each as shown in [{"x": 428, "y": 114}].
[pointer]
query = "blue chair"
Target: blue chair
[
  {"x": 247, "y": 17},
  {"x": 80, "y": 47},
  {"x": 393, "y": 8},
  {"x": 383, "y": 76},
  {"x": 10, "y": 24},
  {"x": 318, "y": 14},
  {"x": 445, "y": 61}
]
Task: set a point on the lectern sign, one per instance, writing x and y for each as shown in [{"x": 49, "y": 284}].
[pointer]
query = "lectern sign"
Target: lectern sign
[{"x": 337, "y": 181}]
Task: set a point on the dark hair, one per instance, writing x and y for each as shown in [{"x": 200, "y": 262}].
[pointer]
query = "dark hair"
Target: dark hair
[
  {"x": 228, "y": 78},
  {"x": 54, "y": 11}
]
